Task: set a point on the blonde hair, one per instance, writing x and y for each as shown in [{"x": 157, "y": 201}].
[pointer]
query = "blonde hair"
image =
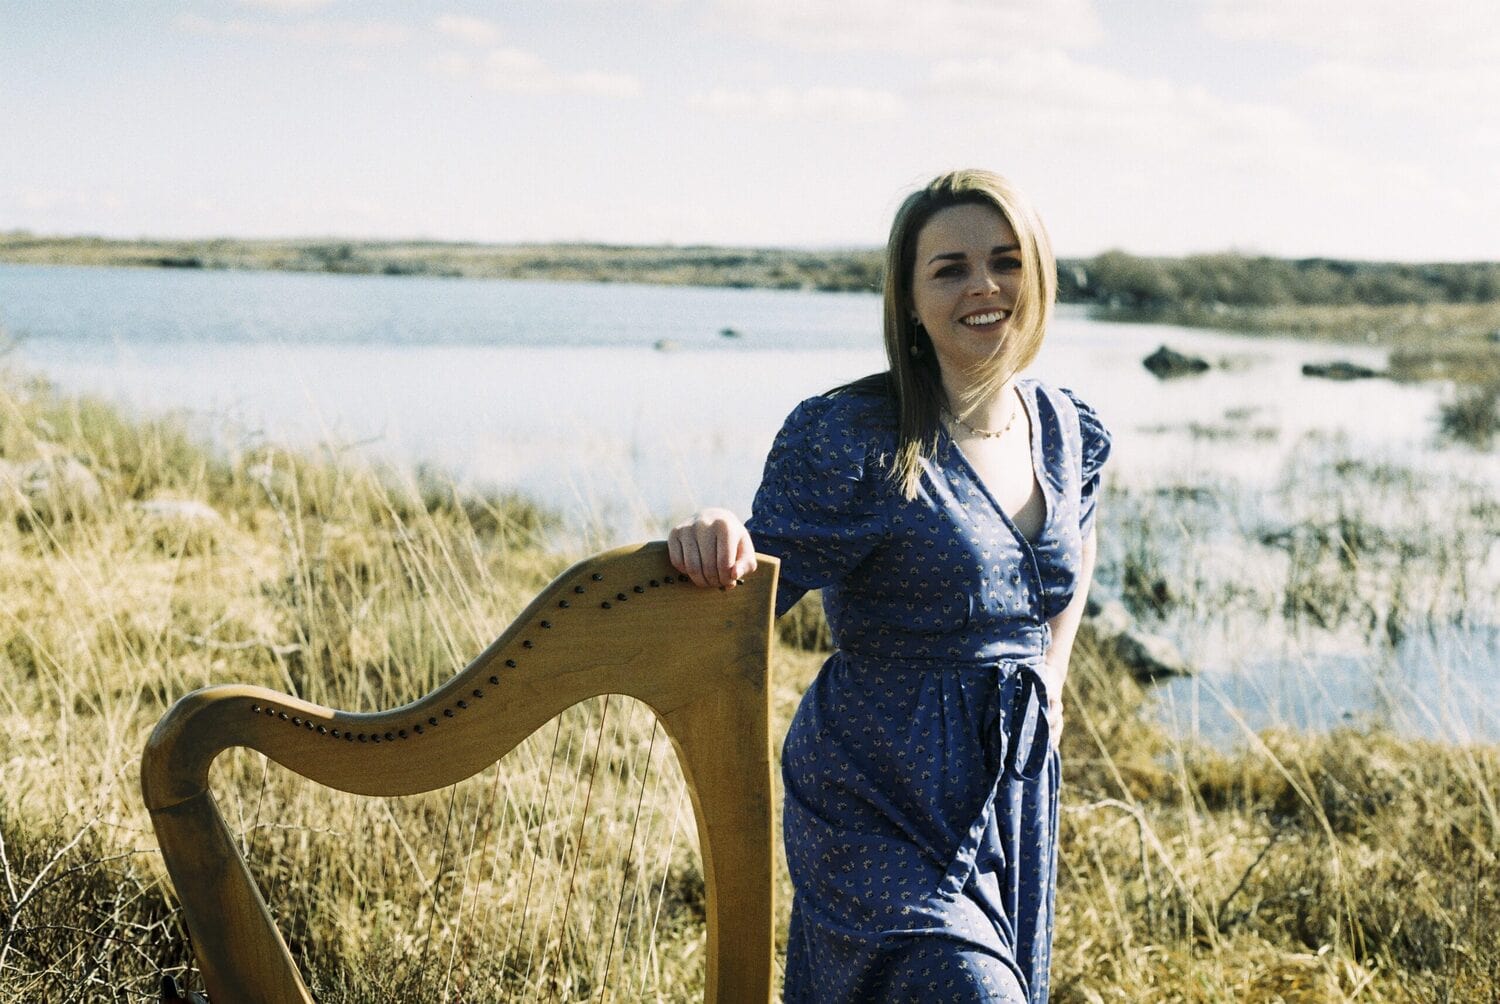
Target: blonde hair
[{"x": 914, "y": 378}]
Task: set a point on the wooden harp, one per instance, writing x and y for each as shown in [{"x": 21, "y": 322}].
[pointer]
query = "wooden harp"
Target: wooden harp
[{"x": 623, "y": 622}]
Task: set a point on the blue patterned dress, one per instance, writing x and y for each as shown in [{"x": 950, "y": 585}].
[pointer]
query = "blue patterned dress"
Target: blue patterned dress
[{"x": 921, "y": 790}]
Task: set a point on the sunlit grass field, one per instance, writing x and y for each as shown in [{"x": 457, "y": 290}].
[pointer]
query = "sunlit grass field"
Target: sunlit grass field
[{"x": 1354, "y": 865}]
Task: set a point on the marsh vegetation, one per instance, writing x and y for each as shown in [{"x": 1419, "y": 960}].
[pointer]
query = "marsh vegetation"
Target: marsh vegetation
[{"x": 1353, "y": 863}]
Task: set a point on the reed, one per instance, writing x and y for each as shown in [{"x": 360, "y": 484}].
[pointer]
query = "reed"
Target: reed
[{"x": 1473, "y": 416}]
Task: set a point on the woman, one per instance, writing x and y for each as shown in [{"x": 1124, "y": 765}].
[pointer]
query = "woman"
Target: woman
[{"x": 946, "y": 510}]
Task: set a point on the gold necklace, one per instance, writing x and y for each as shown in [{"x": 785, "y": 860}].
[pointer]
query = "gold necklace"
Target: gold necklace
[{"x": 987, "y": 433}]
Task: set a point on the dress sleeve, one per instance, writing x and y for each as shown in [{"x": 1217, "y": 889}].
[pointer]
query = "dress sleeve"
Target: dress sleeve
[
  {"x": 817, "y": 505},
  {"x": 1094, "y": 451}
]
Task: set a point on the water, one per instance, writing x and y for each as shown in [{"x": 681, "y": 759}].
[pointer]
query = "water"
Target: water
[
  {"x": 558, "y": 389},
  {"x": 625, "y": 407}
]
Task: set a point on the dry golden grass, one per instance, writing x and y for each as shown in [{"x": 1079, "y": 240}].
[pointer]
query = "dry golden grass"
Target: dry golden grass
[{"x": 1351, "y": 866}]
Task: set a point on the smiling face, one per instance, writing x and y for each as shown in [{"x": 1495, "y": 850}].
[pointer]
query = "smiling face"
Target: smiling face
[{"x": 965, "y": 279}]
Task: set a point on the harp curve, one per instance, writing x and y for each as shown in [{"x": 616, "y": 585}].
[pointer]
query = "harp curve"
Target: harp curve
[{"x": 621, "y": 622}]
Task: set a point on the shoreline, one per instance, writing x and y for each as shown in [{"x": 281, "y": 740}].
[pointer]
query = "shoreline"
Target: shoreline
[
  {"x": 1446, "y": 329},
  {"x": 669, "y": 265}
]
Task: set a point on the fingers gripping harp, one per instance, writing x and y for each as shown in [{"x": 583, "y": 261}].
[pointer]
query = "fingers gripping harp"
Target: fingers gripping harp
[{"x": 623, "y": 622}]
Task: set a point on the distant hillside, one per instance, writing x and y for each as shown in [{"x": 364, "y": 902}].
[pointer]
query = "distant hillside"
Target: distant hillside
[
  {"x": 1114, "y": 281},
  {"x": 1119, "y": 280},
  {"x": 664, "y": 265}
]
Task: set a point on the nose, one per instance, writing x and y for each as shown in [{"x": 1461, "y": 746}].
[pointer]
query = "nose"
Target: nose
[{"x": 983, "y": 282}]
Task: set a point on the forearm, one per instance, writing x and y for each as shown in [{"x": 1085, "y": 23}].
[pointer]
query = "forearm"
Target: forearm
[{"x": 1064, "y": 627}]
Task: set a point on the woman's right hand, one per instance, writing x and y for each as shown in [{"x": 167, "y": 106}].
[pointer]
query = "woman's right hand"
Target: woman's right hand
[{"x": 712, "y": 547}]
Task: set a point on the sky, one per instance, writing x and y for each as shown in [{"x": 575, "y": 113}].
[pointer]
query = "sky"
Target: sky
[{"x": 1349, "y": 128}]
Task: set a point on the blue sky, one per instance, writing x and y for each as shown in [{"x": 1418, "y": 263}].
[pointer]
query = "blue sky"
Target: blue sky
[{"x": 1357, "y": 128}]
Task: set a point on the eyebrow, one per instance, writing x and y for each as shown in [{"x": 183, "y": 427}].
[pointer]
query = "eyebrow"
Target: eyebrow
[{"x": 960, "y": 256}]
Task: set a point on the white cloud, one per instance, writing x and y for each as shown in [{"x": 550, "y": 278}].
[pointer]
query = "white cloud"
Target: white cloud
[
  {"x": 1053, "y": 94},
  {"x": 287, "y": 5},
  {"x": 451, "y": 64},
  {"x": 61, "y": 200},
  {"x": 477, "y": 30},
  {"x": 514, "y": 71},
  {"x": 911, "y": 25},
  {"x": 1403, "y": 83},
  {"x": 1466, "y": 96},
  {"x": 62, "y": 209},
  {"x": 1249, "y": 168},
  {"x": 1384, "y": 31},
  {"x": 1159, "y": 165},
  {"x": 850, "y": 104},
  {"x": 318, "y": 32}
]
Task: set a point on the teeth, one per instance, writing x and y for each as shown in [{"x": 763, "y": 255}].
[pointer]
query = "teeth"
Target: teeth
[{"x": 990, "y": 318}]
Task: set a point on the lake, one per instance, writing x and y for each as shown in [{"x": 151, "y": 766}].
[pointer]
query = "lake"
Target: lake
[{"x": 625, "y": 407}]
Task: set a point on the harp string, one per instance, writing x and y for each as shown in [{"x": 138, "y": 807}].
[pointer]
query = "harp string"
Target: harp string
[
  {"x": 247, "y": 846},
  {"x": 625, "y": 872},
  {"x": 646, "y": 935},
  {"x": 619, "y": 773},
  {"x": 574, "y": 949},
  {"x": 652, "y": 959},
  {"x": 437, "y": 880},
  {"x": 651, "y": 776},
  {"x": 512, "y": 897},
  {"x": 456, "y": 925},
  {"x": 541, "y": 828},
  {"x": 640, "y": 880},
  {"x": 560, "y": 955},
  {"x": 578, "y": 854},
  {"x": 588, "y": 871},
  {"x": 490, "y": 831}
]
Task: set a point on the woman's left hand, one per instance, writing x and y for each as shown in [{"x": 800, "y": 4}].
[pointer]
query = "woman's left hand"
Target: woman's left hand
[{"x": 1054, "y": 679}]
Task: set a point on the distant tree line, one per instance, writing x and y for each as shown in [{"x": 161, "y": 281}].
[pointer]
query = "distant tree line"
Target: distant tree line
[
  {"x": 1195, "y": 285},
  {"x": 1121, "y": 281}
]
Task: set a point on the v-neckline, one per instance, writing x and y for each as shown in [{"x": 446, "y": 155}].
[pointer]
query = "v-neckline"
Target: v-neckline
[{"x": 1023, "y": 389}]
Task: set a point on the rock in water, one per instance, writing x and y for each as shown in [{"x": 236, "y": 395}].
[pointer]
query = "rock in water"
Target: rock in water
[
  {"x": 1149, "y": 656},
  {"x": 1340, "y": 370},
  {"x": 1109, "y": 619},
  {"x": 1166, "y": 363}
]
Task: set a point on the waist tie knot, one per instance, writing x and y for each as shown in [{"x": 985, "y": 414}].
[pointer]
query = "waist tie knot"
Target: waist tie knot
[{"x": 1027, "y": 688}]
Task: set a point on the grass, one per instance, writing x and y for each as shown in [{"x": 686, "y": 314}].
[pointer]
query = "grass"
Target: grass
[
  {"x": 1354, "y": 865},
  {"x": 1473, "y": 416}
]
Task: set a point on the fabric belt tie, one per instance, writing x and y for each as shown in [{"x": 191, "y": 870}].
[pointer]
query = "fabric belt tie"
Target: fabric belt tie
[{"x": 1026, "y": 686}]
